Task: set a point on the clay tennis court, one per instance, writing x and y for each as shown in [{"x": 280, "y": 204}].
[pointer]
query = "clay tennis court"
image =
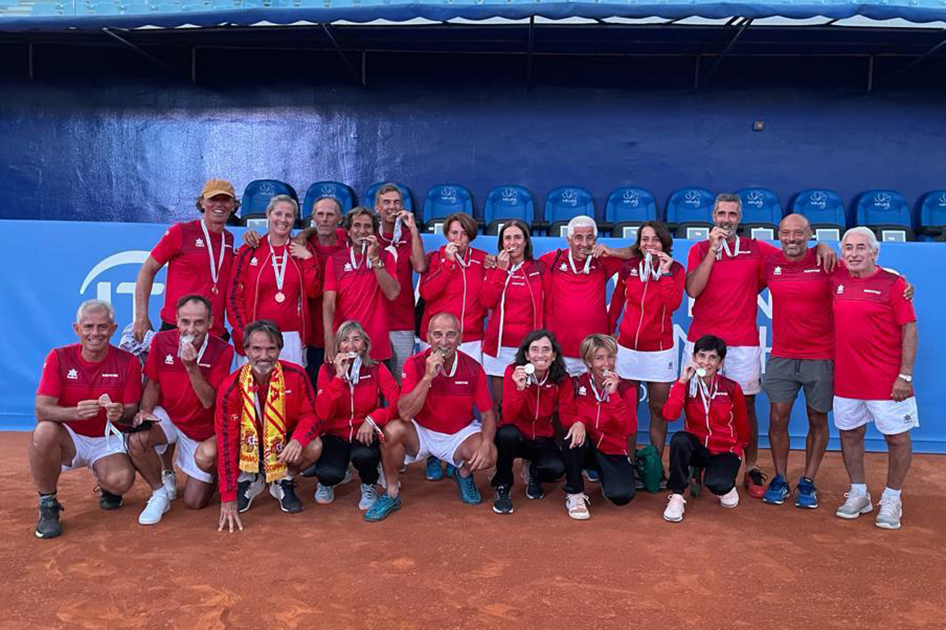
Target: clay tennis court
[{"x": 440, "y": 564}]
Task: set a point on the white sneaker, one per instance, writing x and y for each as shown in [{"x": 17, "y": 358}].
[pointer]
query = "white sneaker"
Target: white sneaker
[
  {"x": 675, "y": 508},
  {"x": 169, "y": 481},
  {"x": 324, "y": 494},
  {"x": 854, "y": 505},
  {"x": 730, "y": 499},
  {"x": 369, "y": 494},
  {"x": 888, "y": 517},
  {"x": 577, "y": 505},
  {"x": 158, "y": 504}
]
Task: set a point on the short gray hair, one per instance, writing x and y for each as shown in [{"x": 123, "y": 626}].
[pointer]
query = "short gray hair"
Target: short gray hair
[
  {"x": 92, "y": 306},
  {"x": 283, "y": 199},
  {"x": 338, "y": 205},
  {"x": 264, "y": 326},
  {"x": 871, "y": 237},
  {"x": 728, "y": 198},
  {"x": 581, "y": 221}
]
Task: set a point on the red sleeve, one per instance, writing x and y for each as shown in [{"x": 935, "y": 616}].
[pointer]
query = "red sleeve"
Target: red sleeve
[
  {"x": 436, "y": 279},
  {"x": 227, "y": 428},
  {"x": 220, "y": 371},
  {"x": 312, "y": 275},
  {"x": 617, "y": 303},
  {"x": 674, "y": 404},
  {"x": 740, "y": 415},
  {"x": 236, "y": 305},
  {"x": 169, "y": 245},
  {"x": 612, "y": 265},
  {"x": 330, "y": 390},
  {"x": 409, "y": 376},
  {"x": 675, "y": 288},
  {"x": 50, "y": 384},
  {"x": 389, "y": 390},
  {"x": 390, "y": 264},
  {"x": 513, "y": 399},
  {"x": 694, "y": 258},
  {"x": 623, "y": 407},
  {"x": 903, "y": 312},
  {"x": 567, "y": 405},
  {"x": 766, "y": 249},
  {"x": 492, "y": 288},
  {"x": 131, "y": 393},
  {"x": 484, "y": 401},
  {"x": 330, "y": 283},
  {"x": 308, "y": 426},
  {"x": 151, "y": 362}
]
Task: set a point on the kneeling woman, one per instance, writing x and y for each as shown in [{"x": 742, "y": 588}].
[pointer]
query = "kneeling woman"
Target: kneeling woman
[
  {"x": 715, "y": 432},
  {"x": 600, "y": 419},
  {"x": 533, "y": 385},
  {"x": 348, "y": 404}
]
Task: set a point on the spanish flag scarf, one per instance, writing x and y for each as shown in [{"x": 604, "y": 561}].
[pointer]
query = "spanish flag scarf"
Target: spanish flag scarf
[{"x": 273, "y": 424}]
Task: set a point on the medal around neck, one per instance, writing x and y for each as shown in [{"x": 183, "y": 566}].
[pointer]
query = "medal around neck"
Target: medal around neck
[{"x": 701, "y": 372}]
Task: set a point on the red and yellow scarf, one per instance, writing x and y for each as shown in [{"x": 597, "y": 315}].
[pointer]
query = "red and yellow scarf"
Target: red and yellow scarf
[{"x": 273, "y": 424}]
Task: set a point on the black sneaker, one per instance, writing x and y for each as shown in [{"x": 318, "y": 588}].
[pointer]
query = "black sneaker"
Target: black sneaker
[
  {"x": 48, "y": 525},
  {"x": 109, "y": 501},
  {"x": 502, "y": 504},
  {"x": 696, "y": 481},
  {"x": 285, "y": 492},
  {"x": 247, "y": 491},
  {"x": 534, "y": 488}
]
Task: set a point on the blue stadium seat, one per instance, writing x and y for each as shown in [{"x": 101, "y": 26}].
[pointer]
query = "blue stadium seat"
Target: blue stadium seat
[
  {"x": 932, "y": 214},
  {"x": 824, "y": 210},
  {"x": 761, "y": 212},
  {"x": 887, "y": 213},
  {"x": 627, "y": 208},
  {"x": 336, "y": 190},
  {"x": 442, "y": 201},
  {"x": 690, "y": 212},
  {"x": 368, "y": 199},
  {"x": 256, "y": 197},
  {"x": 564, "y": 203},
  {"x": 508, "y": 202}
]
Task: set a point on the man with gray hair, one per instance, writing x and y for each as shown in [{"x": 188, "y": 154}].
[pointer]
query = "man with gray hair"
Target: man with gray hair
[
  {"x": 875, "y": 351},
  {"x": 576, "y": 287},
  {"x": 85, "y": 389}
]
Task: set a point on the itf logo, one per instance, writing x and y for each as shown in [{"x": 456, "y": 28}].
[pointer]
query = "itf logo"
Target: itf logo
[
  {"x": 818, "y": 198},
  {"x": 448, "y": 194},
  {"x": 631, "y": 198},
  {"x": 570, "y": 197},
  {"x": 510, "y": 196},
  {"x": 267, "y": 189},
  {"x": 109, "y": 282},
  {"x": 755, "y": 198},
  {"x": 882, "y": 200},
  {"x": 692, "y": 197}
]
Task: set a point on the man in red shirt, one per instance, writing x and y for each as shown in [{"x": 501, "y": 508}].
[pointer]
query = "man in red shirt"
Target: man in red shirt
[
  {"x": 875, "y": 350},
  {"x": 266, "y": 427},
  {"x": 441, "y": 389},
  {"x": 85, "y": 388},
  {"x": 399, "y": 235},
  {"x": 725, "y": 274},
  {"x": 576, "y": 285},
  {"x": 358, "y": 279},
  {"x": 184, "y": 369},
  {"x": 198, "y": 254}
]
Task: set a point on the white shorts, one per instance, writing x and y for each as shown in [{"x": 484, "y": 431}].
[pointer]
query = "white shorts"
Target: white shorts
[
  {"x": 496, "y": 366},
  {"x": 441, "y": 445},
  {"x": 889, "y": 416},
  {"x": 743, "y": 364},
  {"x": 292, "y": 350},
  {"x": 186, "y": 447},
  {"x": 91, "y": 449},
  {"x": 575, "y": 367},
  {"x": 472, "y": 348},
  {"x": 647, "y": 367}
]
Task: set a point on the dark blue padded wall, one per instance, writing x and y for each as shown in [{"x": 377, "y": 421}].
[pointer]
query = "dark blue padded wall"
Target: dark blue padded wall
[{"x": 122, "y": 147}]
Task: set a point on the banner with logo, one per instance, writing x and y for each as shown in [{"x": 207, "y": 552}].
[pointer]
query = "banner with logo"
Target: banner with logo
[{"x": 53, "y": 266}]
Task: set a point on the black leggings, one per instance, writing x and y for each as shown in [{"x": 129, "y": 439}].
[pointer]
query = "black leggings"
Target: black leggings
[
  {"x": 336, "y": 453},
  {"x": 719, "y": 470},
  {"x": 617, "y": 472},
  {"x": 546, "y": 460}
]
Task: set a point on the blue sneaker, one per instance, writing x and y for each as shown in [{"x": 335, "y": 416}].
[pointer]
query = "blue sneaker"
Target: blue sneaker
[
  {"x": 777, "y": 491},
  {"x": 448, "y": 471},
  {"x": 434, "y": 471},
  {"x": 467, "y": 485},
  {"x": 591, "y": 475},
  {"x": 806, "y": 496},
  {"x": 381, "y": 508}
]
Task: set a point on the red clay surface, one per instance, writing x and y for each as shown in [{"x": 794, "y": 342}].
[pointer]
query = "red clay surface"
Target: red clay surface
[{"x": 439, "y": 564}]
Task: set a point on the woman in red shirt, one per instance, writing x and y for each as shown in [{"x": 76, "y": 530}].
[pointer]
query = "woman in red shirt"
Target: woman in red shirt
[
  {"x": 715, "y": 432},
  {"x": 348, "y": 404},
  {"x": 533, "y": 386},
  {"x": 275, "y": 281},
  {"x": 649, "y": 289},
  {"x": 600, "y": 419},
  {"x": 513, "y": 293}
]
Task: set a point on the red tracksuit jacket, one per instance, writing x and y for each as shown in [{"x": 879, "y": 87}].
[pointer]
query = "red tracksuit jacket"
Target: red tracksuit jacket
[
  {"x": 443, "y": 289},
  {"x": 648, "y": 307},
  {"x": 609, "y": 423},
  {"x": 522, "y": 310},
  {"x": 726, "y": 430},
  {"x": 333, "y": 404},
  {"x": 531, "y": 410}
]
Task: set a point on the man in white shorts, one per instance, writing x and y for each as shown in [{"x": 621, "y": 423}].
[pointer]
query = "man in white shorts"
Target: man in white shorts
[
  {"x": 85, "y": 388},
  {"x": 439, "y": 389},
  {"x": 724, "y": 276},
  {"x": 875, "y": 350},
  {"x": 184, "y": 369}
]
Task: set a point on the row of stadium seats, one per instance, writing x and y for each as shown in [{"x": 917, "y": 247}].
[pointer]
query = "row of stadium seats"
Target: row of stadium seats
[
  {"x": 688, "y": 210},
  {"x": 138, "y": 7}
]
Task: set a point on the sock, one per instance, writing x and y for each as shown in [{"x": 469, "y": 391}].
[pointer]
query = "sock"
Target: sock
[
  {"x": 890, "y": 493},
  {"x": 160, "y": 491},
  {"x": 858, "y": 488}
]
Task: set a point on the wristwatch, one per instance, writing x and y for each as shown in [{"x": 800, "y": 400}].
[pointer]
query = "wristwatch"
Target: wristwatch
[{"x": 907, "y": 377}]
